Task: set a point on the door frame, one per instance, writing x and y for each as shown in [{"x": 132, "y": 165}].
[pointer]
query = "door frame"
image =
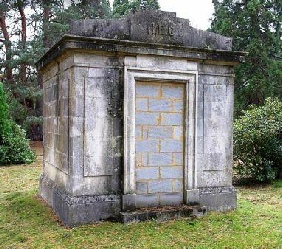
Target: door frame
[{"x": 190, "y": 78}]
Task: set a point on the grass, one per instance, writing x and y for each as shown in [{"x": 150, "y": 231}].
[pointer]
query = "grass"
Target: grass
[{"x": 26, "y": 222}]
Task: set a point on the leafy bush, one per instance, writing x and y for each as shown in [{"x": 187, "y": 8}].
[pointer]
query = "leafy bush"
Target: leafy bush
[
  {"x": 258, "y": 141},
  {"x": 14, "y": 147}
]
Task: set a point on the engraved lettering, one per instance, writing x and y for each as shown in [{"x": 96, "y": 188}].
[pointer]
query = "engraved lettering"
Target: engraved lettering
[
  {"x": 160, "y": 29},
  {"x": 170, "y": 30}
]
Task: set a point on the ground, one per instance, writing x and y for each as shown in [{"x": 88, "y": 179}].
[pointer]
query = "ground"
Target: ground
[{"x": 26, "y": 222}]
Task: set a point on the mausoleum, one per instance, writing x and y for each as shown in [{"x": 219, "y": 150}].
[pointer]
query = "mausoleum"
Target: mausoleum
[{"x": 138, "y": 113}]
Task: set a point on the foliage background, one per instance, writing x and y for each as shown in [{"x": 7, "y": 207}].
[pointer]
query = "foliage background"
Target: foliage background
[
  {"x": 27, "y": 30},
  {"x": 256, "y": 28},
  {"x": 14, "y": 147},
  {"x": 258, "y": 142}
]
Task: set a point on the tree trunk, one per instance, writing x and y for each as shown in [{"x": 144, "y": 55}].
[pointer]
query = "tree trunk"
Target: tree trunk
[
  {"x": 23, "y": 40},
  {"x": 8, "y": 47},
  {"x": 46, "y": 16}
]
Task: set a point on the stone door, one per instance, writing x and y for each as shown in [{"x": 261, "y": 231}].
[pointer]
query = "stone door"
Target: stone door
[{"x": 159, "y": 142}]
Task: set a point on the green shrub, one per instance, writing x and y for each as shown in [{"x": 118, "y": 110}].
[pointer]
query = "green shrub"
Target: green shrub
[
  {"x": 14, "y": 147},
  {"x": 258, "y": 141}
]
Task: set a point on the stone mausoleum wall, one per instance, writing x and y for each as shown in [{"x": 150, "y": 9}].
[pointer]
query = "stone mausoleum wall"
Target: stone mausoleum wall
[{"x": 138, "y": 112}]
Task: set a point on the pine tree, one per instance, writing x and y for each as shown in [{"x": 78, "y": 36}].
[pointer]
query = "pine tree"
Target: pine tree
[
  {"x": 255, "y": 26},
  {"x": 123, "y": 7}
]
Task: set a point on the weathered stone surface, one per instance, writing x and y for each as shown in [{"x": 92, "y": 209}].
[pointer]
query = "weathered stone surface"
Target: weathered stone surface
[
  {"x": 163, "y": 214},
  {"x": 84, "y": 209},
  {"x": 138, "y": 113},
  {"x": 152, "y": 27},
  {"x": 218, "y": 198}
]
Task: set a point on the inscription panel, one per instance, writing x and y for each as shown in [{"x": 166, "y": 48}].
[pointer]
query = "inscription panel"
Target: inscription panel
[{"x": 160, "y": 29}]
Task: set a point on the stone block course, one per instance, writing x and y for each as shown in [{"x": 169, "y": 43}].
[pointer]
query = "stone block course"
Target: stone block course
[
  {"x": 171, "y": 199},
  {"x": 148, "y": 90},
  {"x": 147, "y": 173},
  {"x": 157, "y": 159},
  {"x": 171, "y": 145},
  {"x": 171, "y": 119},
  {"x": 175, "y": 172},
  {"x": 147, "y": 200},
  {"x": 161, "y": 132},
  {"x": 172, "y": 92},
  {"x": 145, "y": 118},
  {"x": 160, "y": 105},
  {"x": 147, "y": 146},
  {"x": 160, "y": 186}
]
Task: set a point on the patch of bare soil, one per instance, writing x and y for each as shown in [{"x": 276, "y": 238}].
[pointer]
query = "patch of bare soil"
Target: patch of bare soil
[{"x": 37, "y": 147}]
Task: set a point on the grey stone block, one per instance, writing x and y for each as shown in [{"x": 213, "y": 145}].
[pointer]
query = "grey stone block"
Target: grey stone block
[
  {"x": 141, "y": 187},
  {"x": 147, "y": 90},
  {"x": 178, "y": 158},
  {"x": 160, "y": 159},
  {"x": 77, "y": 210},
  {"x": 173, "y": 92},
  {"x": 128, "y": 202},
  {"x": 178, "y": 132},
  {"x": 192, "y": 196},
  {"x": 159, "y": 105},
  {"x": 160, "y": 132},
  {"x": 218, "y": 198},
  {"x": 146, "y": 146},
  {"x": 147, "y": 173},
  {"x": 173, "y": 199},
  {"x": 171, "y": 145},
  {"x": 177, "y": 185},
  {"x": 141, "y": 104},
  {"x": 147, "y": 200},
  {"x": 163, "y": 215},
  {"x": 149, "y": 26},
  {"x": 171, "y": 172},
  {"x": 142, "y": 118},
  {"x": 172, "y": 119},
  {"x": 178, "y": 106},
  {"x": 160, "y": 186}
]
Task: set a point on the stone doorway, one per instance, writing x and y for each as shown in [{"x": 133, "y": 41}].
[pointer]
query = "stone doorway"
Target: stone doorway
[{"x": 159, "y": 142}]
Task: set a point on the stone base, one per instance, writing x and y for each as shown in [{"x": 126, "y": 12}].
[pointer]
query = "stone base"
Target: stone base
[
  {"x": 162, "y": 213},
  {"x": 192, "y": 196},
  {"x": 77, "y": 210},
  {"x": 218, "y": 198},
  {"x": 131, "y": 202}
]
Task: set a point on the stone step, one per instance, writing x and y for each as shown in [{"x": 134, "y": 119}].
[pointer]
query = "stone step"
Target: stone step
[{"x": 162, "y": 213}]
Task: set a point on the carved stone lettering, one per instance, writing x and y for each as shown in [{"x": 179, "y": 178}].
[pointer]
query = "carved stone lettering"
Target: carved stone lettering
[{"x": 160, "y": 29}]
